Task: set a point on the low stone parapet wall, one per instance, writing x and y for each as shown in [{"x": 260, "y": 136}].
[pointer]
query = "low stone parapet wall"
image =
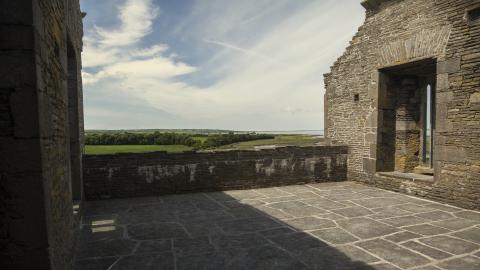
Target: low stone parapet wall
[{"x": 160, "y": 173}]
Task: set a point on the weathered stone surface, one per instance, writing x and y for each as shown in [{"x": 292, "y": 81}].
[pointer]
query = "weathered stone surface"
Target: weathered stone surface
[
  {"x": 153, "y": 231},
  {"x": 450, "y": 244},
  {"x": 297, "y": 242},
  {"x": 435, "y": 215},
  {"x": 330, "y": 259},
  {"x": 388, "y": 212},
  {"x": 378, "y": 202},
  {"x": 426, "y": 250},
  {"x": 414, "y": 208},
  {"x": 455, "y": 224},
  {"x": 297, "y": 209},
  {"x": 152, "y": 246},
  {"x": 310, "y": 223},
  {"x": 335, "y": 236},
  {"x": 195, "y": 246},
  {"x": 471, "y": 215},
  {"x": 104, "y": 248},
  {"x": 112, "y": 176},
  {"x": 357, "y": 254},
  {"x": 197, "y": 238},
  {"x": 426, "y": 229},
  {"x": 393, "y": 253},
  {"x": 402, "y": 236},
  {"x": 213, "y": 261},
  {"x": 95, "y": 264},
  {"x": 403, "y": 221},
  {"x": 248, "y": 225},
  {"x": 366, "y": 228},
  {"x": 472, "y": 235},
  {"x": 355, "y": 211},
  {"x": 265, "y": 257},
  {"x": 240, "y": 241},
  {"x": 162, "y": 261},
  {"x": 324, "y": 203},
  {"x": 464, "y": 263}
]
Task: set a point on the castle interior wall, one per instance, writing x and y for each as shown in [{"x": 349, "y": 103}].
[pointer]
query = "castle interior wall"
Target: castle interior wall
[
  {"x": 39, "y": 226},
  {"x": 396, "y": 33}
]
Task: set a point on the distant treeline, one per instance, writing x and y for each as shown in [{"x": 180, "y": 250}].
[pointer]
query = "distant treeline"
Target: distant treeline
[
  {"x": 161, "y": 138},
  {"x": 127, "y": 138}
]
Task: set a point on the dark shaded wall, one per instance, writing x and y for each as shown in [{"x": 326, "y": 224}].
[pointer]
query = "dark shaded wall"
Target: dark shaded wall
[
  {"x": 159, "y": 173},
  {"x": 37, "y": 230},
  {"x": 396, "y": 32}
]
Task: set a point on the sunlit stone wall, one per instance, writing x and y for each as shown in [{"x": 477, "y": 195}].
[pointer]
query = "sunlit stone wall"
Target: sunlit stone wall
[{"x": 149, "y": 174}]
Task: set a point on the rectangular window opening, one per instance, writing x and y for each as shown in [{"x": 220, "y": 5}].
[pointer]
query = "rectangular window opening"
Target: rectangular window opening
[{"x": 473, "y": 15}]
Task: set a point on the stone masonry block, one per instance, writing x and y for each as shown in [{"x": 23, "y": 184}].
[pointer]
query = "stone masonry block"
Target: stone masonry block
[
  {"x": 24, "y": 106},
  {"x": 371, "y": 137},
  {"x": 475, "y": 97},
  {"x": 371, "y": 120},
  {"x": 16, "y": 37},
  {"x": 373, "y": 151},
  {"x": 451, "y": 65},
  {"x": 17, "y": 69},
  {"x": 442, "y": 82},
  {"x": 19, "y": 155},
  {"x": 369, "y": 165},
  {"x": 444, "y": 97},
  {"x": 16, "y": 12},
  {"x": 450, "y": 153}
]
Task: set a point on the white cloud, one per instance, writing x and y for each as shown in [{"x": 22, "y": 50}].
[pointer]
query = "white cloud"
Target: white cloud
[
  {"x": 105, "y": 46},
  {"x": 155, "y": 50},
  {"x": 269, "y": 64},
  {"x": 136, "y": 18}
]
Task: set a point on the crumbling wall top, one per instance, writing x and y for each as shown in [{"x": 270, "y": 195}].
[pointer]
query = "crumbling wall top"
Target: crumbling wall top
[{"x": 373, "y": 4}]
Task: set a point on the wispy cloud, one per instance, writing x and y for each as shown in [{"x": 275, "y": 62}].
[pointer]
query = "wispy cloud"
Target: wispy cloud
[
  {"x": 136, "y": 18},
  {"x": 242, "y": 50}
]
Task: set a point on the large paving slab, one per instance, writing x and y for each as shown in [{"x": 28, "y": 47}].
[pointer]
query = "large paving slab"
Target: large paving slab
[{"x": 334, "y": 226}]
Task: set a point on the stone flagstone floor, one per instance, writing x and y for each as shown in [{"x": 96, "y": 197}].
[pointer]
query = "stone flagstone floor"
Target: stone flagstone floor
[{"x": 319, "y": 226}]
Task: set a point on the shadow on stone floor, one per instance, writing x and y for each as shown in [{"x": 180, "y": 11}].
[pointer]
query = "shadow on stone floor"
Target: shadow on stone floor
[{"x": 196, "y": 231}]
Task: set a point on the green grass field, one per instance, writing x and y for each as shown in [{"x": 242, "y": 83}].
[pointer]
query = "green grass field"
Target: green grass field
[
  {"x": 111, "y": 149},
  {"x": 279, "y": 140}
]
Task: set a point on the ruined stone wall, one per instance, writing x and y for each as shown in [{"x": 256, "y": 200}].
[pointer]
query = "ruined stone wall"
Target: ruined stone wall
[
  {"x": 58, "y": 23},
  {"x": 21, "y": 191},
  {"x": 397, "y": 32},
  {"x": 149, "y": 174},
  {"x": 37, "y": 226}
]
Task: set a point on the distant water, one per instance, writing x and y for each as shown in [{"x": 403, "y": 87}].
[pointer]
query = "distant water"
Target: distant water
[{"x": 306, "y": 132}]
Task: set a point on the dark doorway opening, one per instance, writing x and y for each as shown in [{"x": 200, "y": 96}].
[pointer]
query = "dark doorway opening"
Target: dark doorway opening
[{"x": 406, "y": 118}]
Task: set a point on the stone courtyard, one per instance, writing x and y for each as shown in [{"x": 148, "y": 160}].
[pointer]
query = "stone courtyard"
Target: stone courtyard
[{"x": 340, "y": 225}]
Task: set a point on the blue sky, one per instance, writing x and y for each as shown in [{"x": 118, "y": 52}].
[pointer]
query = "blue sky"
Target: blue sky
[{"x": 227, "y": 64}]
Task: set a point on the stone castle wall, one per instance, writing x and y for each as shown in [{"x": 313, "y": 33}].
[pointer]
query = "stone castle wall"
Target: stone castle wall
[
  {"x": 159, "y": 173},
  {"x": 397, "y": 32},
  {"x": 58, "y": 30},
  {"x": 37, "y": 222}
]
